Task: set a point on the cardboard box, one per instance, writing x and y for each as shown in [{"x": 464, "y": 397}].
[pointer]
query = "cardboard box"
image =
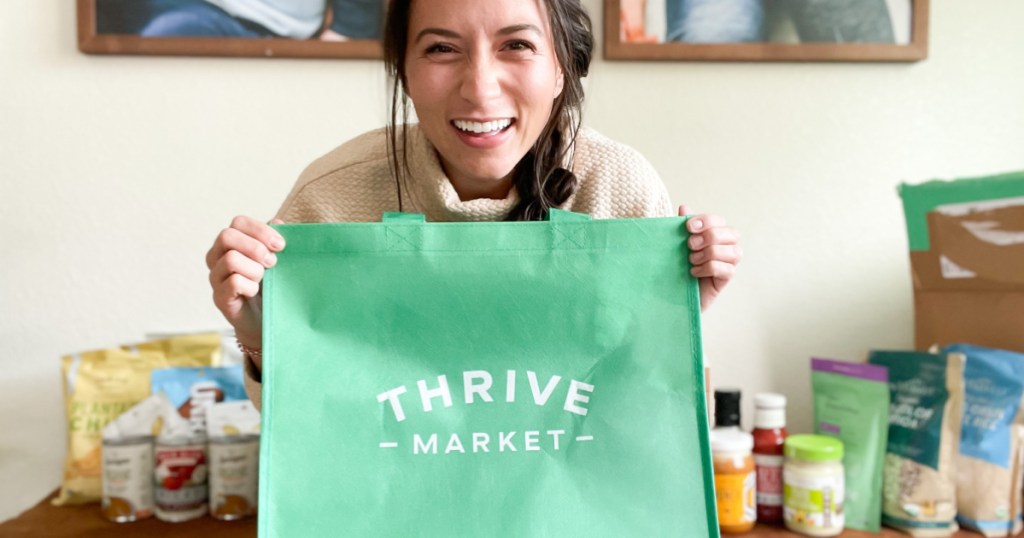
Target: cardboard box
[{"x": 967, "y": 258}]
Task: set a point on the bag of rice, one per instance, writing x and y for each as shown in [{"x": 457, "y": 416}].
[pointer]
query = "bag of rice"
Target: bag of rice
[
  {"x": 989, "y": 463},
  {"x": 925, "y": 409}
]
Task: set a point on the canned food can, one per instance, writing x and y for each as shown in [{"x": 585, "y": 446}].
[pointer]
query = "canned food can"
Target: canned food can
[
  {"x": 127, "y": 479},
  {"x": 180, "y": 473},
  {"x": 234, "y": 475}
]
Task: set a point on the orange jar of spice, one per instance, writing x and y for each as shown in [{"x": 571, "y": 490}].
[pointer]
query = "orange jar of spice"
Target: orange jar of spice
[{"x": 735, "y": 480}]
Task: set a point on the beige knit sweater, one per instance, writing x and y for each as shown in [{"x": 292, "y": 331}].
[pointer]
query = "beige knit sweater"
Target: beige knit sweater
[{"x": 353, "y": 183}]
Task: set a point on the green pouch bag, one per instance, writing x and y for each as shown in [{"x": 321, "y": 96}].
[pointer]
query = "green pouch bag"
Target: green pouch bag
[
  {"x": 851, "y": 403},
  {"x": 484, "y": 379}
]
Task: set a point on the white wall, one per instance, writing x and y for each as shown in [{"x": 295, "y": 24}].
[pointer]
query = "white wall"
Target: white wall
[{"x": 117, "y": 172}]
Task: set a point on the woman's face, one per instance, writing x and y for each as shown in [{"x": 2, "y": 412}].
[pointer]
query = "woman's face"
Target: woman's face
[{"x": 482, "y": 75}]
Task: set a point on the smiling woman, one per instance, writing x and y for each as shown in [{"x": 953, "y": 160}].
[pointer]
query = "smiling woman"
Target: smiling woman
[{"x": 497, "y": 89}]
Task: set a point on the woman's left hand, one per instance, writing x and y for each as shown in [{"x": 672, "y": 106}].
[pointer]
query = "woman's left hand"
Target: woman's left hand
[{"x": 714, "y": 254}]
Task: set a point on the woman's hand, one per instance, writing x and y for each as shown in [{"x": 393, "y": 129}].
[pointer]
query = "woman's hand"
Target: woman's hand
[
  {"x": 714, "y": 254},
  {"x": 237, "y": 260}
]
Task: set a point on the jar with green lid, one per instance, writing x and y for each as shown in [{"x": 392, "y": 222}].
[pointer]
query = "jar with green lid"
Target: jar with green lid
[{"x": 813, "y": 487}]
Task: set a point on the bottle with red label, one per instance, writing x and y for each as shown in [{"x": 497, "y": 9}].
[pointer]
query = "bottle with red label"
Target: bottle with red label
[{"x": 769, "y": 438}]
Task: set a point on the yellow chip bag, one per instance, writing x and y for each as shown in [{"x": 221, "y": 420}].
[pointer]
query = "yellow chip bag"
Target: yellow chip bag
[{"x": 203, "y": 348}]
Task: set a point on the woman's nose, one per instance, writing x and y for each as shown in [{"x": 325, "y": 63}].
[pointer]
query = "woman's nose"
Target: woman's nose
[{"x": 480, "y": 80}]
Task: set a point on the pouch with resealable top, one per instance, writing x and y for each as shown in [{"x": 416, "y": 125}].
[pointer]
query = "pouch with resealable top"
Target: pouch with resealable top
[
  {"x": 925, "y": 409},
  {"x": 989, "y": 473},
  {"x": 851, "y": 403}
]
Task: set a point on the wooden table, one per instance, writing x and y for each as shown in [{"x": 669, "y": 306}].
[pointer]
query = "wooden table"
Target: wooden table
[
  {"x": 764, "y": 531},
  {"x": 86, "y": 521}
]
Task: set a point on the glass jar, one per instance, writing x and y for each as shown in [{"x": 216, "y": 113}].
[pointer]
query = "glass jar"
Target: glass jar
[
  {"x": 735, "y": 480},
  {"x": 813, "y": 487}
]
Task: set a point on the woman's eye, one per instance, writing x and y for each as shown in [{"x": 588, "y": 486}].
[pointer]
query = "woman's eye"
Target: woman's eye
[
  {"x": 439, "y": 48},
  {"x": 520, "y": 45}
]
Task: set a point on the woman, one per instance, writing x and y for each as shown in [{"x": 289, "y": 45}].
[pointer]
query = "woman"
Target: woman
[{"x": 496, "y": 87}]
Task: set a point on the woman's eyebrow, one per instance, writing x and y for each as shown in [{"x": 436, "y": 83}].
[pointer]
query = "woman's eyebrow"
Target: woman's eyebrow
[
  {"x": 436, "y": 31},
  {"x": 508, "y": 30},
  {"x": 516, "y": 28}
]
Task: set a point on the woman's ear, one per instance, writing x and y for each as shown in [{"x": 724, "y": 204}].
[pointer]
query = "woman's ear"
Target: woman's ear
[{"x": 559, "y": 84}]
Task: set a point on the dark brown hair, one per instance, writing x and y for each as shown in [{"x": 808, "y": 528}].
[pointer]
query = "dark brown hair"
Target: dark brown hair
[{"x": 539, "y": 178}]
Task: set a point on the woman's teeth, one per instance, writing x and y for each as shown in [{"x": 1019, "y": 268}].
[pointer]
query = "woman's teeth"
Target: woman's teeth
[{"x": 482, "y": 127}]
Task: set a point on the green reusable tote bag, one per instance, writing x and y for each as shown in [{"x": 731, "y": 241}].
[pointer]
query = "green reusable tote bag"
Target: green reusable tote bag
[{"x": 484, "y": 379}]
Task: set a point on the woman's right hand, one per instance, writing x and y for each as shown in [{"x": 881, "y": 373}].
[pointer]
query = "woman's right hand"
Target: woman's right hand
[{"x": 237, "y": 260}]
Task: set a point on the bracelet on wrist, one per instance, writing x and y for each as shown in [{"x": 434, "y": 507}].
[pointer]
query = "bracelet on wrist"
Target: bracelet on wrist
[
  {"x": 250, "y": 365},
  {"x": 253, "y": 352}
]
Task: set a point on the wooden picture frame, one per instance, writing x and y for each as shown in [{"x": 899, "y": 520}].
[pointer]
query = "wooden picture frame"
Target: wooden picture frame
[
  {"x": 623, "y": 44},
  {"x": 92, "y": 41}
]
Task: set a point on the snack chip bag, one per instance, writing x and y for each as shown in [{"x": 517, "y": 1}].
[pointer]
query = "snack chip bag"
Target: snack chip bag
[
  {"x": 230, "y": 419},
  {"x": 146, "y": 419},
  {"x": 193, "y": 390},
  {"x": 201, "y": 349}
]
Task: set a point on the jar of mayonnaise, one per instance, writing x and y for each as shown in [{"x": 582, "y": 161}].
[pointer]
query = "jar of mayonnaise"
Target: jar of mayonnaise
[{"x": 813, "y": 486}]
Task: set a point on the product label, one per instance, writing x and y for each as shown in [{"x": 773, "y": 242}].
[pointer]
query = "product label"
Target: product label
[
  {"x": 813, "y": 501},
  {"x": 769, "y": 479},
  {"x": 127, "y": 481},
  {"x": 918, "y": 397},
  {"x": 993, "y": 383},
  {"x": 234, "y": 468},
  {"x": 180, "y": 475},
  {"x": 734, "y": 495},
  {"x": 571, "y": 395}
]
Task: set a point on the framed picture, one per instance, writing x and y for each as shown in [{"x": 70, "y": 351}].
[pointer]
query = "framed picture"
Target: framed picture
[
  {"x": 766, "y": 30},
  {"x": 254, "y": 28}
]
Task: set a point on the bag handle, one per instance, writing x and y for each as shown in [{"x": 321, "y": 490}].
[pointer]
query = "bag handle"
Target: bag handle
[
  {"x": 397, "y": 216},
  {"x": 405, "y": 235},
  {"x": 561, "y": 215},
  {"x": 567, "y": 234}
]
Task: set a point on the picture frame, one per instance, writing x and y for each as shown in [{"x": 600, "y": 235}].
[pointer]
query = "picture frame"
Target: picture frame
[
  {"x": 776, "y": 35},
  {"x": 95, "y": 40}
]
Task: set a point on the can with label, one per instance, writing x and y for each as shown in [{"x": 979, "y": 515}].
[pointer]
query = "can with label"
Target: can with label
[
  {"x": 180, "y": 473},
  {"x": 127, "y": 478},
  {"x": 234, "y": 473}
]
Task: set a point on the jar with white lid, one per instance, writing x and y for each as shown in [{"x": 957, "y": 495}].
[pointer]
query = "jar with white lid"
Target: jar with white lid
[{"x": 813, "y": 485}]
